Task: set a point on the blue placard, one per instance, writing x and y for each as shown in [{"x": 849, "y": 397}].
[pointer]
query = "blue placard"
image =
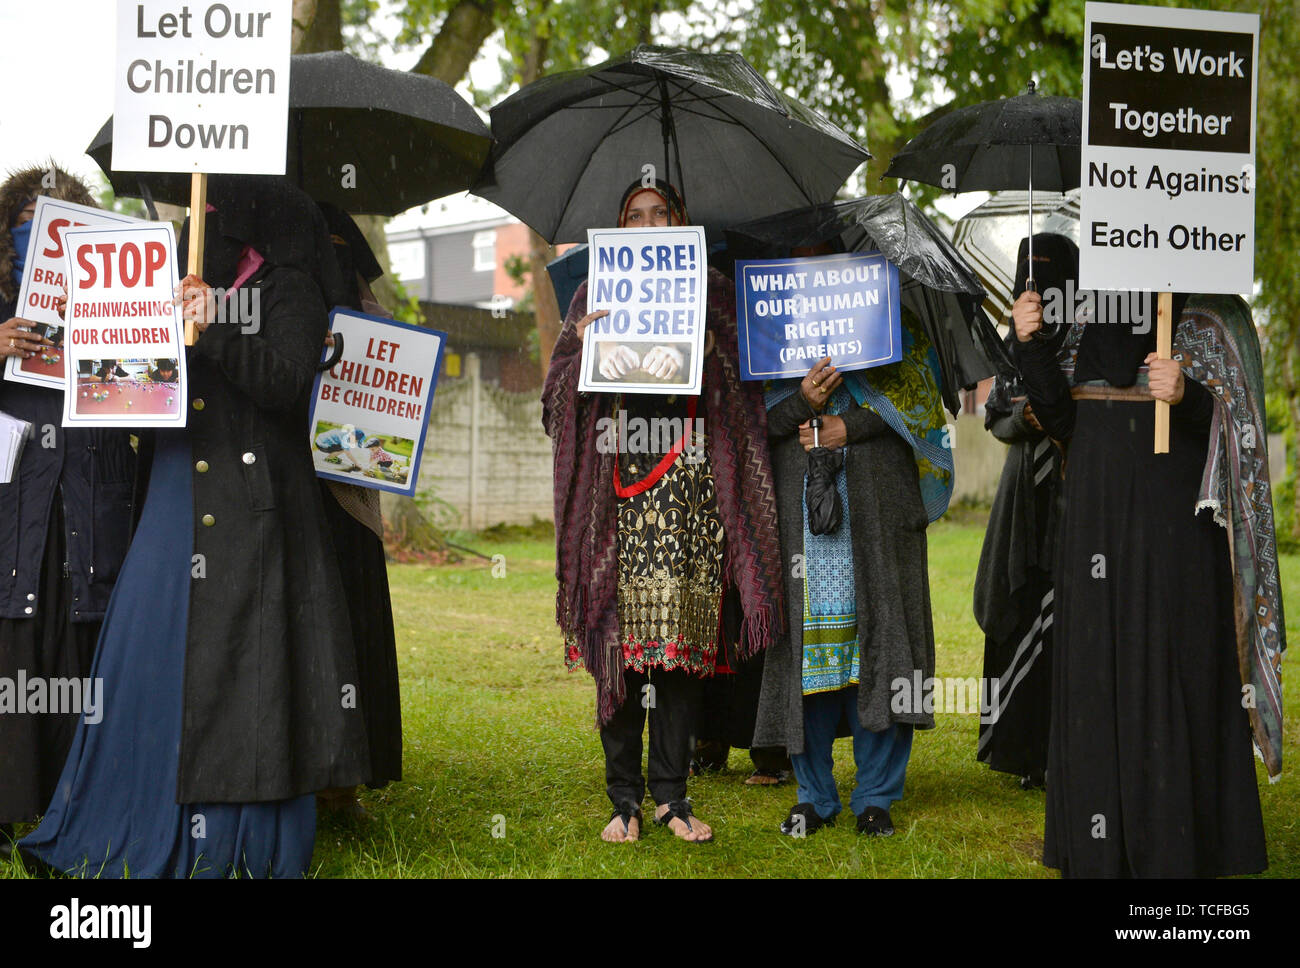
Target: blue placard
[{"x": 793, "y": 312}]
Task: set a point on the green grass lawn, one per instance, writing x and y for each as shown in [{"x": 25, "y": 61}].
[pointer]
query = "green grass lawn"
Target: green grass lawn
[
  {"x": 499, "y": 736},
  {"x": 498, "y": 733}
]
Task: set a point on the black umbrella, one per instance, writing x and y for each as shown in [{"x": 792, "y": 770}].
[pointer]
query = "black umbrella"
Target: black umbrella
[
  {"x": 1018, "y": 142},
  {"x": 409, "y": 139},
  {"x": 937, "y": 284},
  {"x": 820, "y": 491},
  {"x": 566, "y": 146}
]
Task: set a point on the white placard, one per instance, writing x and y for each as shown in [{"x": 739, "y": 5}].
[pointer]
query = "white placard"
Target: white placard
[
  {"x": 125, "y": 352},
  {"x": 43, "y": 283},
  {"x": 1168, "y": 160},
  {"x": 652, "y": 282},
  {"x": 202, "y": 86},
  {"x": 370, "y": 411}
]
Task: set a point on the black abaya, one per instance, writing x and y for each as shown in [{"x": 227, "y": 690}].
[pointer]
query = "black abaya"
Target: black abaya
[{"x": 1150, "y": 772}]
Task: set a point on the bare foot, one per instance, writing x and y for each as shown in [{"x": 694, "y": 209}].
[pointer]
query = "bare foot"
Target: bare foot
[
  {"x": 697, "y": 831},
  {"x": 613, "y": 832}
]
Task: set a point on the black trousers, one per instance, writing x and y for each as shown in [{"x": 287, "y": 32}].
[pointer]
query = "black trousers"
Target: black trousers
[{"x": 673, "y": 702}]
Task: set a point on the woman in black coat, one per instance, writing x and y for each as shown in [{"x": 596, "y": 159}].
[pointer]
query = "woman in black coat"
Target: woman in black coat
[
  {"x": 215, "y": 738},
  {"x": 65, "y": 521}
]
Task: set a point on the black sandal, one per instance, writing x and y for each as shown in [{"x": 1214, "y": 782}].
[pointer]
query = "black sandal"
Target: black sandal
[
  {"x": 681, "y": 809},
  {"x": 627, "y": 811}
]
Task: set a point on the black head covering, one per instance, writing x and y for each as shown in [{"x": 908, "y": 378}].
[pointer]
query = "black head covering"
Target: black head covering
[
  {"x": 1056, "y": 269},
  {"x": 352, "y": 252},
  {"x": 277, "y": 219}
]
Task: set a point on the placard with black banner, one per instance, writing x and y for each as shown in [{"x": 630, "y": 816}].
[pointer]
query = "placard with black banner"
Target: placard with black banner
[
  {"x": 370, "y": 411},
  {"x": 790, "y": 313},
  {"x": 1168, "y": 159}
]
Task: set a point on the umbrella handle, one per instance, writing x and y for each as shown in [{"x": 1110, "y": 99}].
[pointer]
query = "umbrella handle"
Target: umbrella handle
[{"x": 816, "y": 424}]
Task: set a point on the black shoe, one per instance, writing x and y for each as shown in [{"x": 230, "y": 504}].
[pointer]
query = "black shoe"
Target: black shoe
[
  {"x": 1033, "y": 780},
  {"x": 875, "y": 822},
  {"x": 804, "y": 820}
]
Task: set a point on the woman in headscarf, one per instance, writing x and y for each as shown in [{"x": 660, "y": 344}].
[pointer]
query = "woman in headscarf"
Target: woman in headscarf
[
  {"x": 1013, "y": 586},
  {"x": 1167, "y": 646},
  {"x": 65, "y": 520},
  {"x": 229, "y": 675},
  {"x": 860, "y": 623},
  {"x": 647, "y": 544}
]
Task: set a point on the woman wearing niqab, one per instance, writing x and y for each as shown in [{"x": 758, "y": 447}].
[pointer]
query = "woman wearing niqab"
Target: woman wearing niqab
[
  {"x": 1168, "y": 644},
  {"x": 225, "y": 656}
]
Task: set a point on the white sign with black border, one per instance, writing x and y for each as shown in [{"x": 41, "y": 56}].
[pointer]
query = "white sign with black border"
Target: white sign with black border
[{"x": 1168, "y": 159}]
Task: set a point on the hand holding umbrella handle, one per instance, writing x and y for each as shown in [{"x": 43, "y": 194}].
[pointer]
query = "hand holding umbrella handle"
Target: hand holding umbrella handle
[{"x": 816, "y": 424}]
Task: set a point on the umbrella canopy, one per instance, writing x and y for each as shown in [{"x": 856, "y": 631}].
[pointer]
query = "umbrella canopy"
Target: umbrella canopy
[
  {"x": 988, "y": 238},
  {"x": 937, "y": 284},
  {"x": 410, "y": 139},
  {"x": 1015, "y": 142},
  {"x": 568, "y": 145}
]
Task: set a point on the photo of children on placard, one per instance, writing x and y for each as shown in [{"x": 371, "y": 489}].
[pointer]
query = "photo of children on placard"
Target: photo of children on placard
[
  {"x": 350, "y": 449},
  {"x": 625, "y": 362},
  {"x": 48, "y": 362},
  {"x": 128, "y": 386}
]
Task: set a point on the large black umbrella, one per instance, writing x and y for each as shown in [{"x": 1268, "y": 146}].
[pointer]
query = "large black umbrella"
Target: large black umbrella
[
  {"x": 409, "y": 139},
  {"x": 937, "y": 284},
  {"x": 566, "y": 146},
  {"x": 1022, "y": 142}
]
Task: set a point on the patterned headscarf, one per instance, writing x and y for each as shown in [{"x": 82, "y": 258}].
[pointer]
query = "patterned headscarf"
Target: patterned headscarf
[{"x": 676, "y": 209}]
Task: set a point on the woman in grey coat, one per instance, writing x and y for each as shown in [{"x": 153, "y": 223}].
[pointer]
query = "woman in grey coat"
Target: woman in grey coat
[{"x": 860, "y": 639}]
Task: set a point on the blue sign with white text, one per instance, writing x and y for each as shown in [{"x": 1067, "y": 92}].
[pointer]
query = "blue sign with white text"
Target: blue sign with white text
[{"x": 793, "y": 312}]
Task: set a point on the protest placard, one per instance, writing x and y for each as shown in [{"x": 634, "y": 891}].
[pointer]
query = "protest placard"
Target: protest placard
[
  {"x": 652, "y": 282},
  {"x": 793, "y": 312},
  {"x": 125, "y": 362},
  {"x": 202, "y": 86},
  {"x": 44, "y": 283},
  {"x": 1168, "y": 158},
  {"x": 370, "y": 411}
]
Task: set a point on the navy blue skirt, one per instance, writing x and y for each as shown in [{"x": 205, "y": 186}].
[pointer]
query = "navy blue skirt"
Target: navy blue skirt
[{"x": 115, "y": 813}]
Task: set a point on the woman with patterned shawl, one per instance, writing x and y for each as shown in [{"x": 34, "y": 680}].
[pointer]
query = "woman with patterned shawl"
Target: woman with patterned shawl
[
  {"x": 650, "y": 538},
  {"x": 859, "y": 597},
  {"x": 1013, "y": 586},
  {"x": 1169, "y": 629}
]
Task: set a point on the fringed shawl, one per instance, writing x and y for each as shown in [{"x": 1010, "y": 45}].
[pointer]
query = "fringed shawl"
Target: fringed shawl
[{"x": 586, "y": 532}]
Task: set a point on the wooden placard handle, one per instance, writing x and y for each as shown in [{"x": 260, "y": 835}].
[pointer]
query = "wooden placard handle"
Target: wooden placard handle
[
  {"x": 198, "y": 225},
  {"x": 1164, "y": 351}
]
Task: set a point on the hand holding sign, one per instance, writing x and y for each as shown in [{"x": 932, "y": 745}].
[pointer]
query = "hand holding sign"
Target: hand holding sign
[
  {"x": 19, "y": 337},
  {"x": 198, "y": 302}
]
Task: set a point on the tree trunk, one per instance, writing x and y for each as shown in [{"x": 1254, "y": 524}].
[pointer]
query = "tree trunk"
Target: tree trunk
[
  {"x": 408, "y": 534},
  {"x": 317, "y": 26},
  {"x": 466, "y": 27}
]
